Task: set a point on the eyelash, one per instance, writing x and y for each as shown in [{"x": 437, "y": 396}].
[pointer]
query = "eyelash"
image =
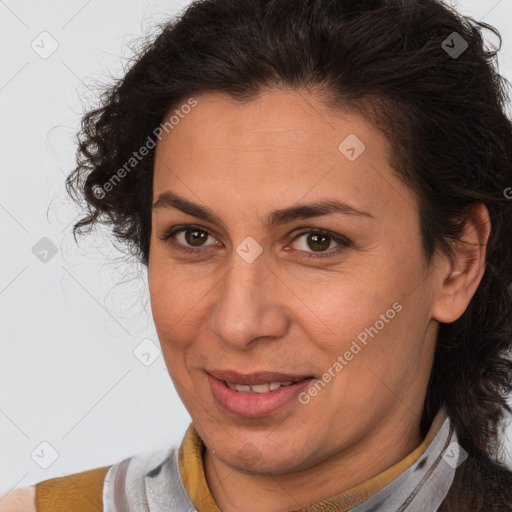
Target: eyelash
[{"x": 343, "y": 242}]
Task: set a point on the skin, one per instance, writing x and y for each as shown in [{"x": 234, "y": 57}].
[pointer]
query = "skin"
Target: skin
[{"x": 285, "y": 313}]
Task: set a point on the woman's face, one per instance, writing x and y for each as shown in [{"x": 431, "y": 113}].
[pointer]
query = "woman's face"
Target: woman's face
[{"x": 253, "y": 287}]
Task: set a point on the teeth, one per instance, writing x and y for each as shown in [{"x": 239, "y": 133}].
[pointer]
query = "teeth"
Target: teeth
[
  {"x": 260, "y": 388},
  {"x": 257, "y": 388}
]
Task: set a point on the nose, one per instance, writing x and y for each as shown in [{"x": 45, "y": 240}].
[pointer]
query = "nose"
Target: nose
[{"x": 249, "y": 305}]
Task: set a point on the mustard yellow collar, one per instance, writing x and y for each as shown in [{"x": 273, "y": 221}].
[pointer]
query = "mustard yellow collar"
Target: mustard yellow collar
[{"x": 190, "y": 460}]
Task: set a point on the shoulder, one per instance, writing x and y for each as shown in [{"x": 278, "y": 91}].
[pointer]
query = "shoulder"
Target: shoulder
[
  {"x": 83, "y": 490},
  {"x": 480, "y": 485},
  {"x": 19, "y": 500},
  {"x": 88, "y": 491}
]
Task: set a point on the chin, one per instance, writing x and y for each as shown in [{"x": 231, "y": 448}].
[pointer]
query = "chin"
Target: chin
[{"x": 272, "y": 461}]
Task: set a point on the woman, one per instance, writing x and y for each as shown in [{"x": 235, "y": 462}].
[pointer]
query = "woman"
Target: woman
[{"x": 321, "y": 193}]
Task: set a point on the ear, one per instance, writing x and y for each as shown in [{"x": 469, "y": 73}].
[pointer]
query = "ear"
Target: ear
[{"x": 460, "y": 276}]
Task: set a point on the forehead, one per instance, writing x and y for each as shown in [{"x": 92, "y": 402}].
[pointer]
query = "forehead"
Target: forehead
[
  {"x": 277, "y": 148},
  {"x": 290, "y": 120}
]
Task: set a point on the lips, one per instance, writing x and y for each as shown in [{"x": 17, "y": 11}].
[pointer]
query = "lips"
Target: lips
[{"x": 256, "y": 404}]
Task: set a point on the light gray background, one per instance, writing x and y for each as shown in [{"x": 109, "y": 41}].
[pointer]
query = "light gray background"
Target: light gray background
[{"x": 68, "y": 373}]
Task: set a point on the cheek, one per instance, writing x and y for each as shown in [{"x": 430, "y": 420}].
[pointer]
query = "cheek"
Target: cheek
[
  {"x": 179, "y": 304},
  {"x": 376, "y": 316},
  {"x": 172, "y": 289},
  {"x": 166, "y": 300},
  {"x": 168, "y": 310},
  {"x": 345, "y": 304},
  {"x": 384, "y": 350}
]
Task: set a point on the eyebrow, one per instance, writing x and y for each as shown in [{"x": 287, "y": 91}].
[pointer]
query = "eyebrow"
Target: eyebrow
[{"x": 168, "y": 200}]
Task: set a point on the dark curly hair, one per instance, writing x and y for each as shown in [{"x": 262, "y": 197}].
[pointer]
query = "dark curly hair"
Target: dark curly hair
[{"x": 443, "y": 112}]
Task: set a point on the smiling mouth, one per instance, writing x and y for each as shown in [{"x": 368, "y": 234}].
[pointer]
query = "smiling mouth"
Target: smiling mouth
[{"x": 255, "y": 395}]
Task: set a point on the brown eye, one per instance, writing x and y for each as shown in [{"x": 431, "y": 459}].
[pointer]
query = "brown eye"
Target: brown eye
[
  {"x": 188, "y": 238},
  {"x": 195, "y": 237},
  {"x": 319, "y": 242}
]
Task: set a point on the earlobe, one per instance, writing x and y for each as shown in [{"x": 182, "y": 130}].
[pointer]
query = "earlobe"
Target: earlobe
[{"x": 466, "y": 268}]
